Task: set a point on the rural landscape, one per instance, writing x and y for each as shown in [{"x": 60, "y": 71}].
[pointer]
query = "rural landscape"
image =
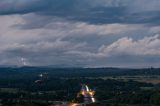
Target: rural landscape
[
  {"x": 44, "y": 86},
  {"x": 79, "y": 52}
]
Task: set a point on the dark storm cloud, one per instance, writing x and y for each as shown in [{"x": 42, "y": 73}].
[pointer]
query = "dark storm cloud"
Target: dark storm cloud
[
  {"x": 20, "y": 6},
  {"x": 87, "y": 33},
  {"x": 90, "y": 11}
]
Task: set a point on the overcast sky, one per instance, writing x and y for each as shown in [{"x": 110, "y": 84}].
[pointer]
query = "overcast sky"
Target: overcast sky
[{"x": 80, "y": 33}]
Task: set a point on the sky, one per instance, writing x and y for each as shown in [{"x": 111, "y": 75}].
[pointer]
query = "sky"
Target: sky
[{"x": 80, "y": 33}]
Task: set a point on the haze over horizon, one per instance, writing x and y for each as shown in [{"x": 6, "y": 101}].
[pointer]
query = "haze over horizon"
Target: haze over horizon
[{"x": 80, "y": 33}]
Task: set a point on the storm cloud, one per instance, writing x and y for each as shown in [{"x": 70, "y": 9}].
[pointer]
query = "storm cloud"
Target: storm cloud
[
  {"x": 91, "y": 11},
  {"x": 80, "y": 33}
]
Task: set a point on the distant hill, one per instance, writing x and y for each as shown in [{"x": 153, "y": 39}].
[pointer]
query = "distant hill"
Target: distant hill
[{"x": 76, "y": 72}]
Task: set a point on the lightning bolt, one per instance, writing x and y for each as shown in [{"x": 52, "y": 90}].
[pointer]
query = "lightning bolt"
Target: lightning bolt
[{"x": 23, "y": 60}]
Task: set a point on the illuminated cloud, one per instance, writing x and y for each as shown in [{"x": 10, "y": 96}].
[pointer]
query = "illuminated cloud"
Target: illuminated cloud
[{"x": 125, "y": 45}]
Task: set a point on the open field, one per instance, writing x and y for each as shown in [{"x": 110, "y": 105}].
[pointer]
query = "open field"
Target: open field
[{"x": 147, "y": 79}]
